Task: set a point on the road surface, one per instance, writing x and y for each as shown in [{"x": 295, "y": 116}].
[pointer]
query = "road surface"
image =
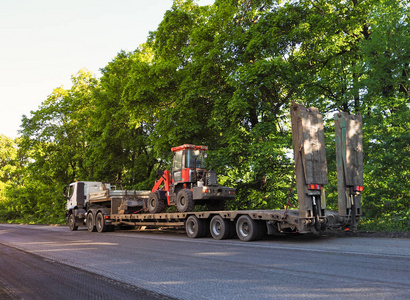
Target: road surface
[{"x": 158, "y": 264}]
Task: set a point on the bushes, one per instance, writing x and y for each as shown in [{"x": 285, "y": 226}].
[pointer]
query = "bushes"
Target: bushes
[{"x": 32, "y": 203}]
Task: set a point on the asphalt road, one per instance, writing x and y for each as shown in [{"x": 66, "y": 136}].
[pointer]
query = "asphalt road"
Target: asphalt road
[{"x": 155, "y": 265}]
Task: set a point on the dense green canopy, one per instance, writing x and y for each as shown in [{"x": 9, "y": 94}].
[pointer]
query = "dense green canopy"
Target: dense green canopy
[{"x": 224, "y": 76}]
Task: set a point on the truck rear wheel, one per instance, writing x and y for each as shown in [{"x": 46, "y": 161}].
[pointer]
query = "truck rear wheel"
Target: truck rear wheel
[
  {"x": 195, "y": 228},
  {"x": 71, "y": 222},
  {"x": 220, "y": 228},
  {"x": 100, "y": 223},
  {"x": 90, "y": 222},
  {"x": 247, "y": 229},
  {"x": 185, "y": 201},
  {"x": 155, "y": 205}
]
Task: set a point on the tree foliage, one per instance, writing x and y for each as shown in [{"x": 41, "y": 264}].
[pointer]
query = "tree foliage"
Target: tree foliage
[{"x": 224, "y": 75}]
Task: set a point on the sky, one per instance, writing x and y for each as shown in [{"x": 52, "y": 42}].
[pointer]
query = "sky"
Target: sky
[{"x": 44, "y": 42}]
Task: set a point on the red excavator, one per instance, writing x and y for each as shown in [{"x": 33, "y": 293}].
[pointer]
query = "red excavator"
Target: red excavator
[{"x": 188, "y": 183}]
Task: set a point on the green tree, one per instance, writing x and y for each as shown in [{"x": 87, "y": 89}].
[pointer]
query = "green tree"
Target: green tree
[
  {"x": 9, "y": 164},
  {"x": 386, "y": 120},
  {"x": 118, "y": 143},
  {"x": 53, "y": 144},
  {"x": 8, "y": 160},
  {"x": 54, "y": 136}
]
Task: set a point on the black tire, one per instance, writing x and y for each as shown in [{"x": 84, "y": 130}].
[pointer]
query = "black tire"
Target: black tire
[
  {"x": 220, "y": 228},
  {"x": 100, "y": 223},
  {"x": 215, "y": 205},
  {"x": 71, "y": 223},
  {"x": 185, "y": 201},
  {"x": 195, "y": 228},
  {"x": 155, "y": 205},
  {"x": 247, "y": 229},
  {"x": 90, "y": 222}
]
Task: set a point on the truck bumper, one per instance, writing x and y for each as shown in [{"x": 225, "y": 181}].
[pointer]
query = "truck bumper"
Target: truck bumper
[{"x": 213, "y": 193}]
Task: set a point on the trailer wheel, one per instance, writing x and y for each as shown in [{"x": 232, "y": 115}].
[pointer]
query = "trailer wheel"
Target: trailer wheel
[
  {"x": 185, "y": 201},
  {"x": 71, "y": 222},
  {"x": 155, "y": 205},
  {"x": 219, "y": 227},
  {"x": 90, "y": 222},
  {"x": 195, "y": 228},
  {"x": 100, "y": 223},
  {"x": 247, "y": 229}
]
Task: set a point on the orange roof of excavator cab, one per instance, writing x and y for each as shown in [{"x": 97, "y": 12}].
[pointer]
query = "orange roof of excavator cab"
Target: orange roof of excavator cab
[{"x": 188, "y": 146}]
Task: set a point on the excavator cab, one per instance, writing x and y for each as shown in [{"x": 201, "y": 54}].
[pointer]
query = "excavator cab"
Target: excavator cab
[
  {"x": 189, "y": 163},
  {"x": 188, "y": 183}
]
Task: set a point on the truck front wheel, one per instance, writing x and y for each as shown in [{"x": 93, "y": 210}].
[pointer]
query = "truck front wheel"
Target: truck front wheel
[{"x": 71, "y": 222}]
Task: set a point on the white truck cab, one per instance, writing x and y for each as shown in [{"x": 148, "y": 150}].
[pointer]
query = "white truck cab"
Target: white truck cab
[{"x": 78, "y": 192}]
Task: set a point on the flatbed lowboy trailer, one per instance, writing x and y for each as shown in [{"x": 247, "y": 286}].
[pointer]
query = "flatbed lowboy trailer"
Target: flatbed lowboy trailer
[{"x": 248, "y": 225}]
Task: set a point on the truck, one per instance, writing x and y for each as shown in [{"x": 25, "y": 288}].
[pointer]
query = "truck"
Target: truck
[{"x": 101, "y": 207}]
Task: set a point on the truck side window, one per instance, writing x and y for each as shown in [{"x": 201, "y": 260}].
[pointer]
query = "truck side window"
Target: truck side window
[{"x": 70, "y": 192}]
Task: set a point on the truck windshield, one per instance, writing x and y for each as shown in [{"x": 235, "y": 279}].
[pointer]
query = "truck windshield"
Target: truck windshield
[{"x": 195, "y": 159}]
